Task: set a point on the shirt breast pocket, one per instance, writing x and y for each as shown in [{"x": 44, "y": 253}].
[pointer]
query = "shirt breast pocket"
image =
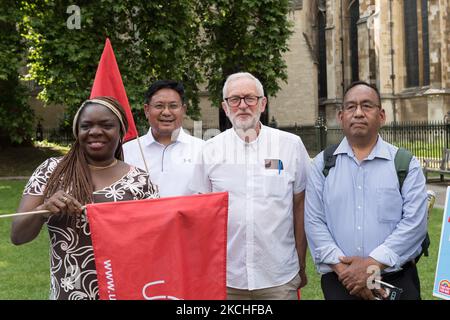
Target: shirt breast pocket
[
  {"x": 275, "y": 183},
  {"x": 389, "y": 205}
]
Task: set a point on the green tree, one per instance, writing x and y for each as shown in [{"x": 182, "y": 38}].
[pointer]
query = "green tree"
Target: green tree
[
  {"x": 197, "y": 41},
  {"x": 16, "y": 117},
  {"x": 151, "y": 40},
  {"x": 245, "y": 35}
]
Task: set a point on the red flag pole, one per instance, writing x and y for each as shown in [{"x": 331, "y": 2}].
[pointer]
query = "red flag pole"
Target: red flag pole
[{"x": 108, "y": 82}]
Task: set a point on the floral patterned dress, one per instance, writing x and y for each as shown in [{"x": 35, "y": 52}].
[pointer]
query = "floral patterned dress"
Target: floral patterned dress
[{"x": 72, "y": 267}]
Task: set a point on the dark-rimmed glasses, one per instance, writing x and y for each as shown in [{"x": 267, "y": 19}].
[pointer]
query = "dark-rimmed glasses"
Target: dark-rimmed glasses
[{"x": 235, "y": 101}]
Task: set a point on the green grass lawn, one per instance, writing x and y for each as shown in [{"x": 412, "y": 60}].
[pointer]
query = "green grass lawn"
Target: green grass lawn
[
  {"x": 427, "y": 265},
  {"x": 24, "y": 270}
]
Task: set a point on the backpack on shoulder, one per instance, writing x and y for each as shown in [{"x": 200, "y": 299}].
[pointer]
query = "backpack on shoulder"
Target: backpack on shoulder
[{"x": 402, "y": 159}]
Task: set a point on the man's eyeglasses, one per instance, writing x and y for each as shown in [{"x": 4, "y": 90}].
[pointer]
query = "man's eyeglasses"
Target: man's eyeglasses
[
  {"x": 366, "y": 106},
  {"x": 235, "y": 101},
  {"x": 161, "y": 106}
]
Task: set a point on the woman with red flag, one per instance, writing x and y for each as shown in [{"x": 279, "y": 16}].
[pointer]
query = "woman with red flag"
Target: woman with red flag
[{"x": 93, "y": 171}]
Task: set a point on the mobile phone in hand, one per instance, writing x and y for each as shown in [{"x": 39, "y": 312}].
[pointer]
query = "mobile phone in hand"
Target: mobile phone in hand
[{"x": 393, "y": 292}]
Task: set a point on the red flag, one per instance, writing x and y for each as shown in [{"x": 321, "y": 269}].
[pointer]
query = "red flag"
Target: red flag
[
  {"x": 108, "y": 82},
  {"x": 168, "y": 248}
]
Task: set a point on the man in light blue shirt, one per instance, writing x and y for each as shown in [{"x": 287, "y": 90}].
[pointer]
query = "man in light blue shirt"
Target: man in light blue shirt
[{"x": 357, "y": 220}]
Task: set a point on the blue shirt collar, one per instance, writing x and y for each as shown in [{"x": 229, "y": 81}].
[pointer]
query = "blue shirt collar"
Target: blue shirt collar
[{"x": 381, "y": 149}]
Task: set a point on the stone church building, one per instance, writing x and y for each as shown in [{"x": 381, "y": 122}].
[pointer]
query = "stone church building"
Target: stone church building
[{"x": 403, "y": 47}]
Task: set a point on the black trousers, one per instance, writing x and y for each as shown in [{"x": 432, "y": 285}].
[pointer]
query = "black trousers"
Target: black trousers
[{"x": 407, "y": 279}]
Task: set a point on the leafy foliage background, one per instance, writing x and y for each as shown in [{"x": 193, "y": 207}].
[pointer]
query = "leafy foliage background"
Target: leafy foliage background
[{"x": 198, "y": 42}]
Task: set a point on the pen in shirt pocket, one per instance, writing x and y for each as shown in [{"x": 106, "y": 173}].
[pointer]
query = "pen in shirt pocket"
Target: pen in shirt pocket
[{"x": 280, "y": 166}]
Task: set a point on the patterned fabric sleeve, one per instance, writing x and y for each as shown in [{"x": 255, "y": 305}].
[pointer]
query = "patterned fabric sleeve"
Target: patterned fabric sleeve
[{"x": 38, "y": 181}]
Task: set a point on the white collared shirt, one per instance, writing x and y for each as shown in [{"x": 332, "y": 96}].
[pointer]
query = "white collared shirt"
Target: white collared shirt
[
  {"x": 170, "y": 167},
  {"x": 261, "y": 244}
]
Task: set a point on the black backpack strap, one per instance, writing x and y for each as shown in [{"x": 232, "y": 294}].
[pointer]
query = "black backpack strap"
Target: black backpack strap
[
  {"x": 425, "y": 245},
  {"x": 402, "y": 159},
  {"x": 329, "y": 159}
]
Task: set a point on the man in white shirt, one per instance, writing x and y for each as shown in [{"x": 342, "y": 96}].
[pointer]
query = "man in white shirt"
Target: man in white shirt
[
  {"x": 168, "y": 153},
  {"x": 264, "y": 171}
]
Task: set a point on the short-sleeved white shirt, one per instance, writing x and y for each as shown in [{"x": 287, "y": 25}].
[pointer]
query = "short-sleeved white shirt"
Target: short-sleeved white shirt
[
  {"x": 170, "y": 167},
  {"x": 261, "y": 243}
]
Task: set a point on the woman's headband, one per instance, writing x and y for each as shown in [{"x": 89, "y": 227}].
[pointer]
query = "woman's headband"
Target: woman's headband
[{"x": 105, "y": 104}]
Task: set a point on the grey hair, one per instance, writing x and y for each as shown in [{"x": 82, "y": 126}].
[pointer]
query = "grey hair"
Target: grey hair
[{"x": 240, "y": 75}]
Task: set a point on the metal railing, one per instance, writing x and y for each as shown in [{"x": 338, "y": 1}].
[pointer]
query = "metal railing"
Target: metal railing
[{"x": 425, "y": 140}]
